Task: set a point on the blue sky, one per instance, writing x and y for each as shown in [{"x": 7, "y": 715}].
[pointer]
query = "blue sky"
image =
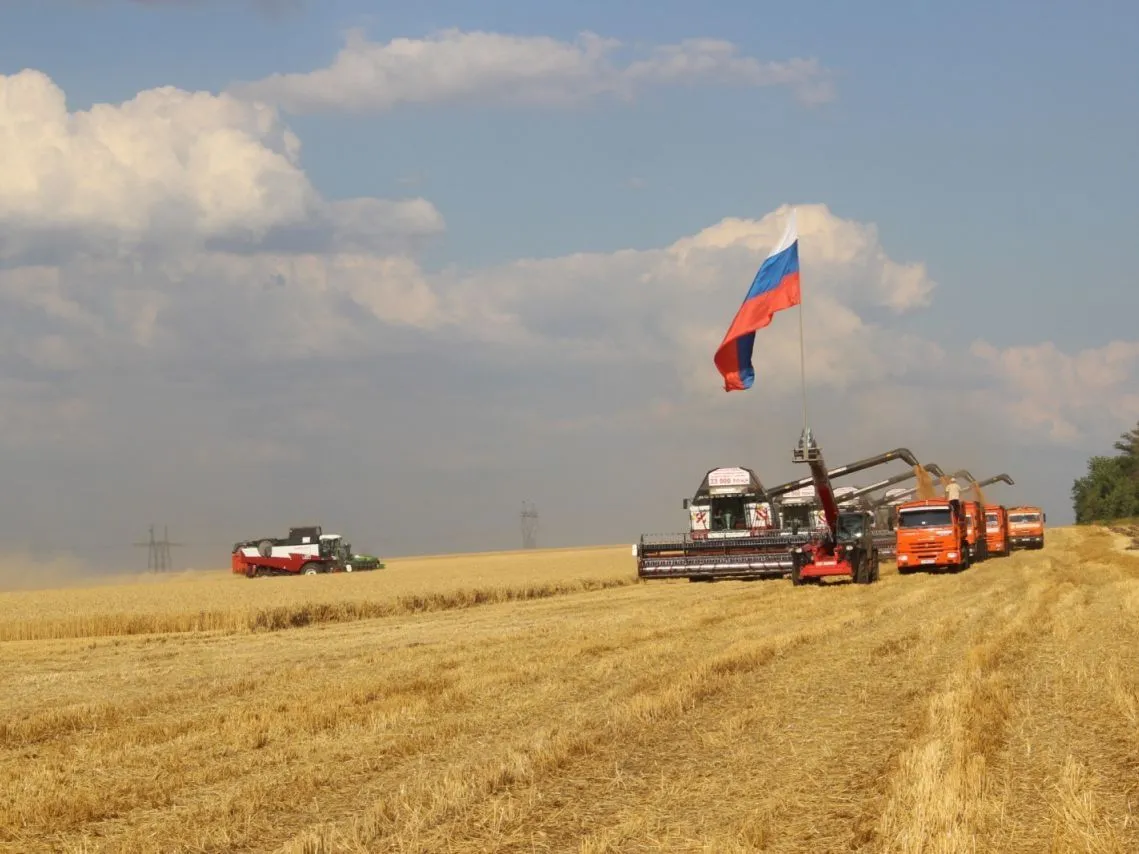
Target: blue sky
[
  {"x": 993, "y": 145},
  {"x": 979, "y": 139}
]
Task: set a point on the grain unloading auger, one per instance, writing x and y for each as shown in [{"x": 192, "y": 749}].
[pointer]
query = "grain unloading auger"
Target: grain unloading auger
[{"x": 737, "y": 528}]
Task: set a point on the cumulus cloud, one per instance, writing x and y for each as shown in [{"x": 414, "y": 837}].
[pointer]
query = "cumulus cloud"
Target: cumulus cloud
[
  {"x": 166, "y": 169},
  {"x": 453, "y": 66},
  {"x": 1042, "y": 389},
  {"x": 672, "y": 305},
  {"x": 178, "y": 297}
]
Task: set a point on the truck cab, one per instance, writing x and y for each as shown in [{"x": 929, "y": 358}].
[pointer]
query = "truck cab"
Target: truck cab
[
  {"x": 1026, "y": 527},
  {"x": 996, "y": 529},
  {"x": 931, "y": 534},
  {"x": 730, "y": 503}
]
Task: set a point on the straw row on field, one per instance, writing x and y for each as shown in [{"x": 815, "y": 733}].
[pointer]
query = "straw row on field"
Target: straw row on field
[{"x": 290, "y": 616}]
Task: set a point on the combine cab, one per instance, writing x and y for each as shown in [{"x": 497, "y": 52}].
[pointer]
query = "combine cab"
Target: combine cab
[{"x": 740, "y": 529}]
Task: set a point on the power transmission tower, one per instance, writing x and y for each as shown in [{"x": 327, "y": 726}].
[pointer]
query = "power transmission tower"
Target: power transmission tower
[
  {"x": 529, "y": 525},
  {"x": 158, "y": 551}
]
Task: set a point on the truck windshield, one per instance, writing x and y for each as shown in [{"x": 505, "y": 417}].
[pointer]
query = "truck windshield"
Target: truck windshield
[
  {"x": 991, "y": 518},
  {"x": 924, "y": 517},
  {"x": 1024, "y": 517}
]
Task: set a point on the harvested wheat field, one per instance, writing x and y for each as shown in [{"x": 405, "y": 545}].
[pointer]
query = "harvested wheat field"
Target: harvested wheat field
[{"x": 546, "y": 702}]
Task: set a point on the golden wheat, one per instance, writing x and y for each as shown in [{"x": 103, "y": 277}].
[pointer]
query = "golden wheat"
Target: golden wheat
[{"x": 992, "y": 710}]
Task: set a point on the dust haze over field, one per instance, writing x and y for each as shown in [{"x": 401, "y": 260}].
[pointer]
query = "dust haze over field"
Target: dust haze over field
[{"x": 992, "y": 710}]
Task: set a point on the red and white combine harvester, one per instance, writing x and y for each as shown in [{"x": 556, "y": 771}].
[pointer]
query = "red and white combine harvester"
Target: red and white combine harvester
[
  {"x": 740, "y": 529},
  {"x": 305, "y": 551}
]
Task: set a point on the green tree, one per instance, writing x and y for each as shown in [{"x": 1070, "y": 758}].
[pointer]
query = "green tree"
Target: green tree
[{"x": 1110, "y": 489}]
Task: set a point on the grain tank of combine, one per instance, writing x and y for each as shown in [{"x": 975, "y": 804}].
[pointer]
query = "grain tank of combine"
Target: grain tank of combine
[{"x": 730, "y": 503}]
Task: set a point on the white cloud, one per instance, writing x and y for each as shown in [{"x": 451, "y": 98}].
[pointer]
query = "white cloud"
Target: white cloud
[
  {"x": 174, "y": 287},
  {"x": 167, "y": 169},
  {"x": 673, "y": 305},
  {"x": 453, "y": 66},
  {"x": 1063, "y": 396}
]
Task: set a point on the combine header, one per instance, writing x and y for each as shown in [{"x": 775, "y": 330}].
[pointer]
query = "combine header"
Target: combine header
[
  {"x": 845, "y": 548},
  {"x": 739, "y": 529}
]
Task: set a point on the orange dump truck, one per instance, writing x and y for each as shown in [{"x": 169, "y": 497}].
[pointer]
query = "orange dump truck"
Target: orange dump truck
[
  {"x": 975, "y": 531},
  {"x": 1026, "y": 527},
  {"x": 996, "y": 529},
  {"x": 932, "y": 534}
]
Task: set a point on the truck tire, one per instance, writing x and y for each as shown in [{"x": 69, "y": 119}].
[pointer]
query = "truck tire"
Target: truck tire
[{"x": 310, "y": 569}]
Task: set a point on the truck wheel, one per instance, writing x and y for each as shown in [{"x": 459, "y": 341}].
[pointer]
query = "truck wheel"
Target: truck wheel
[{"x": 310, "y": 569}]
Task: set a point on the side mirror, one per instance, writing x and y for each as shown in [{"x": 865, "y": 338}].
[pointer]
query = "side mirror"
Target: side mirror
[{"x": 686, "y": 502}]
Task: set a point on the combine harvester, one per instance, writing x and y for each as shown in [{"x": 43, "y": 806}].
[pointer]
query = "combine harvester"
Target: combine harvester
[
  {"x": 307, "y": 550},
  {"x": 738, "y": 529}
]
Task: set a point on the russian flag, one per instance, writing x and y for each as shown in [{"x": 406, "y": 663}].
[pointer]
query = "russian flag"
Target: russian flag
[{"x": 775, "y": 287}]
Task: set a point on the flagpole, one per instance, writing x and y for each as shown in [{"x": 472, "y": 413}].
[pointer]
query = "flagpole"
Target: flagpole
[{"x": 802, "y": 348}]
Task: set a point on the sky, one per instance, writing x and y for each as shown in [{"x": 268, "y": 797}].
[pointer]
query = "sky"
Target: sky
[{"x": 396, "y": 268}]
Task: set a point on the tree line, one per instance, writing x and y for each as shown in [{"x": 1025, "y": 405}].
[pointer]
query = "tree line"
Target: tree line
[{"x": 1110, "y": 489}]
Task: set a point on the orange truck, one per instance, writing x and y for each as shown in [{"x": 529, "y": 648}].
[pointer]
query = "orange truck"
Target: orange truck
[
  {"x": 975, "y": 530},
  {"x": 931, "y": 533},
  {"x": 996, "y": 529},
  {"x": 1026, "y": 527}
]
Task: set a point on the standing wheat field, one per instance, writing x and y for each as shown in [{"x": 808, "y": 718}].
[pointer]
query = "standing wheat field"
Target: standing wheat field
[{"x": 546, "y": 701}]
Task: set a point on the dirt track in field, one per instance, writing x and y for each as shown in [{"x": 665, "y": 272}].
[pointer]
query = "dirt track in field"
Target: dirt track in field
[{"x": 993, "y": 710}]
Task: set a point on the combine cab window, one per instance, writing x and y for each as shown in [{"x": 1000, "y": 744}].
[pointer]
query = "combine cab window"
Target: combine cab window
[
  {"x": 728, "y": 513},
  {"x": 797, "y": 515},
  {"x": 927, "y": 517},
  {"x": 1024, "y": 517}
]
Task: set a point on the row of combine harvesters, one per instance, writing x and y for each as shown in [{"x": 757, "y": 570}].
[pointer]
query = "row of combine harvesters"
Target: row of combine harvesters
[{"x": 811, "y": 531}]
